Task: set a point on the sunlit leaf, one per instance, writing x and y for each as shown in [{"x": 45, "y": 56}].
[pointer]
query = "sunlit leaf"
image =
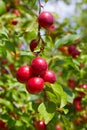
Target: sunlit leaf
[
  {"x": 47, "y": 111},
  {"x": 66, "y": 40}
]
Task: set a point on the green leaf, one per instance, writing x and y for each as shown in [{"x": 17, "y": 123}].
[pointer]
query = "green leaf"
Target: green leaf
[
  {"x": 65, "y": 110},
  {"x": 25, "y": 53},
  {"x": 63, "y": 99},
  {"x": 72, "y": 62},
  {"x": 3, "y": 51},
  {"x": 2, "y": 7},
  {"x": 19, "y": 123},
  {"x": 30, "y": 33},
  {"x": 52, "y": 97},
  {"x": 3, "y": 34},
  {"x": 69, "y": 39},
  {"x": 52, "y": 124},
  {"x": 58, "y": 91},
  {"x": 70, "y": 93},
  {"x": 6, "y": 103},
  {"x": 47, "y": 111},
  {"x": 9, "y": 45},
  {"x": 66, "y": 122}
]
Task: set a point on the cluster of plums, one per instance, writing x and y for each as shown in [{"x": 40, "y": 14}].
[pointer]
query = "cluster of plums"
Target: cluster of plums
[
  {"x": 78, "y": 99},
  {"x": 35, "y": 75},
  {"x": 79, "y": 107},
  {"x": 77, "y": 102},
  {"x": 70, "y": 50}
]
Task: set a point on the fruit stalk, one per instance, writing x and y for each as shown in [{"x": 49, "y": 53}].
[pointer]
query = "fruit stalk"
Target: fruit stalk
[{"x": 39, "y": 24}]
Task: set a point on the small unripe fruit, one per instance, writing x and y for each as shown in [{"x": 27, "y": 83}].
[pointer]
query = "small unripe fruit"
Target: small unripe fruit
[
  {"x": 45, "y": 19},
  {"x": 49, "y": 76},
  {"x": 39, "y": 65},
  {"x": 40, "y": 125},
  {"x": 33, "y": 45},
  {"x": 35, "y": 85},
  {"x": 24, "y": 73}
]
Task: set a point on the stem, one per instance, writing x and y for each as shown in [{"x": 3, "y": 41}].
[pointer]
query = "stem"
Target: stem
[
  {"x": 45, "y": 96},
  {"x": 59, "y": 110},
  {"x": 38, "y": 24},
  {"x": 39, "y": 35},
  {"x": 39, "y": 6}
]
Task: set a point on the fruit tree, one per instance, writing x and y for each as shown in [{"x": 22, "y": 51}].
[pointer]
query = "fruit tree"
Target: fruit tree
[{"x": 43, "y": 67}]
